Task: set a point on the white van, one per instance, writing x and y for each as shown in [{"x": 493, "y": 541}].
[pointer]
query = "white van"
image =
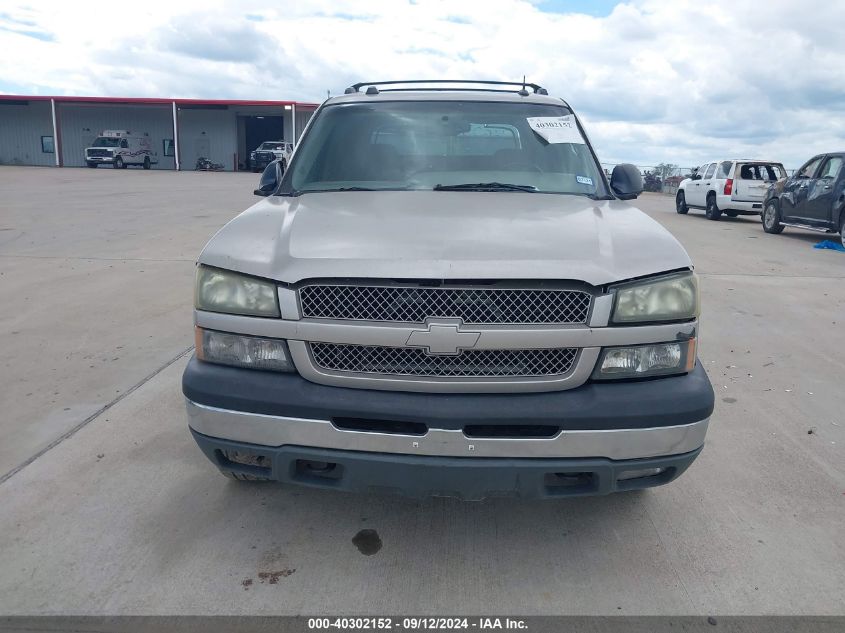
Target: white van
[{"x": 120, "y": 148}]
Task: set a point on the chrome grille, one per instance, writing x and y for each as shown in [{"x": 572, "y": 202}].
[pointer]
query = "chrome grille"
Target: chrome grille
[
  {"x": 412, "y": 304},
  {"x": 410, "y": 361}
]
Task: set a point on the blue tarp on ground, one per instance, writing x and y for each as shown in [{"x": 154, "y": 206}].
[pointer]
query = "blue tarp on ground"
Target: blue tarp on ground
[{"x": 834, "y": 246}]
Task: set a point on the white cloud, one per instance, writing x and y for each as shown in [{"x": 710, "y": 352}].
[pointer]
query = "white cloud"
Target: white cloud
[{"x": 655, "y": 81}]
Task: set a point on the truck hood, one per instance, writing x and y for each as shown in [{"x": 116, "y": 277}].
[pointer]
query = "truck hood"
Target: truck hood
[{"x": 444, "y": 235}]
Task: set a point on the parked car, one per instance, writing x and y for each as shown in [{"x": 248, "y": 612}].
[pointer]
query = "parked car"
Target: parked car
[
  {"x": 269, "y": 151},
  {"x": 813, "y": 198},
  {"x": 121, "y": 148},
  {"x": 732, "y": 187},
  {"x": 443, "y": 295}
]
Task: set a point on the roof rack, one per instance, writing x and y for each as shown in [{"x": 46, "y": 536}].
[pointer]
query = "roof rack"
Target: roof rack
[{"x": 373, "y": 90}]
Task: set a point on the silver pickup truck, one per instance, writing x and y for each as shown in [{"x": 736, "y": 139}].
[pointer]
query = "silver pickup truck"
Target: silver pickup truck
[{"x": 443, "y": 295}]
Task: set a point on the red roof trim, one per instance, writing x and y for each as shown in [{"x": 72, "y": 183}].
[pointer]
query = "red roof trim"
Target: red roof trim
[{"x": 156, "y": 101}]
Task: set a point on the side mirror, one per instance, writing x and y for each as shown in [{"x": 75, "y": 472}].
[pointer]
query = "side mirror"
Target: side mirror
[
  {"x": 270, "y": 179},
  {"x": 626, "y": 182}
]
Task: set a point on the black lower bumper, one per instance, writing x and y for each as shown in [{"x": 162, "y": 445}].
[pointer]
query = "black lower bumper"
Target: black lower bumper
[
  {"x": 461, "y": 477},
  {"x": 666, "y": 402},
  {"x": 594, "y": 406}
]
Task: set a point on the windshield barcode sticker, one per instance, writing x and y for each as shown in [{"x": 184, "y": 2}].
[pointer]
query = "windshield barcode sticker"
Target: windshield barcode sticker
[
  {"x": 584, "y": 180},
  {"x": 556, "y": 129}
]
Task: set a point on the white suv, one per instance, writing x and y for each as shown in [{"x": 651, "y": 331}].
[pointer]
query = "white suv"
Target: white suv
[{"x": 732, "y": 187}]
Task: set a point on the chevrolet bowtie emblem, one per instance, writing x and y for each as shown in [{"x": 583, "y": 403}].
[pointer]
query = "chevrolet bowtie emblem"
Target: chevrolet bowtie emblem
[{"x": 443, "y": 339}]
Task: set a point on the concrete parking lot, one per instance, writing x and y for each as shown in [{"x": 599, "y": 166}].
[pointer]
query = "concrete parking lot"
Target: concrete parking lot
[{"x": 108, "y": 507}]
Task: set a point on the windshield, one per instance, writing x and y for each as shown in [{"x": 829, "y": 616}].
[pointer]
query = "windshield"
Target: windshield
[
  {"x": 104, "y": 141},
  {"x": 271, "y": 146},
  {"x": 445, "y": 145}
]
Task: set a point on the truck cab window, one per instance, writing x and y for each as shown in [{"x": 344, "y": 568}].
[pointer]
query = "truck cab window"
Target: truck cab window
[
  {"x": 809, "y": 170},
  {"x": 831, "y": 168}
]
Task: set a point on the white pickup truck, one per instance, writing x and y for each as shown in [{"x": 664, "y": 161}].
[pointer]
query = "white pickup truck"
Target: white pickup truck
[
  {"x": 269, "y": 151},
  {"x": 732, "y": 187}
]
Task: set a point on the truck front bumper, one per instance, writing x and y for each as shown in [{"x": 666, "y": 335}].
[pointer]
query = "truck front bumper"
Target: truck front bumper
[
  {"x": 258, "y": 164},
  {"x": 596, "y": 439}
]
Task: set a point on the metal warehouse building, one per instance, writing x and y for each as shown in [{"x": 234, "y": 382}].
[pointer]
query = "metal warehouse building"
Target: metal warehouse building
[{"x": 56, "y": 130}]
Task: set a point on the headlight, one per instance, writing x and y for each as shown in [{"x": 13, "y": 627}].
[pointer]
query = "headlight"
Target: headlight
[
  {"x": 223, "y": 291},
  {"x": 670, "y": 298},
  {"x": 242, "y": 351},
  {"x": 643, "y": 361}
]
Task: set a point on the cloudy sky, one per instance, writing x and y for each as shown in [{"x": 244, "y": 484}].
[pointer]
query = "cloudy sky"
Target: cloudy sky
[{"x": 654, "y": 80}]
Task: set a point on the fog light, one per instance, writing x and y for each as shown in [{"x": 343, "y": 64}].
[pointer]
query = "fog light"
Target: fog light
[
  {"x": 242, "y": 351},
  {"x": 247, "y": 459},
  {"x": 637, "y": 474}
]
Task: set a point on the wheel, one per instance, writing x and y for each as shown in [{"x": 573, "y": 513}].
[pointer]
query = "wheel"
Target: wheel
[
  {"x": 771, "y": 218},
  {"x": 681, "y": 203},
  {"x": 147, "y": 163},
  {"x": 712, "y": 211},
  {"x": 92, "y": 165},
  {"x": 731, "y": 214},
  {"x": 118, "y": 163},
  {"x": 241, "y": 476},
  {"x": 842, "y": 228}
]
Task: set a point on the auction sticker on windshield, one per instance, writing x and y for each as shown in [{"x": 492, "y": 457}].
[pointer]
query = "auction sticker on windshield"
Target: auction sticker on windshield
[{"x": 556, "y": 129}]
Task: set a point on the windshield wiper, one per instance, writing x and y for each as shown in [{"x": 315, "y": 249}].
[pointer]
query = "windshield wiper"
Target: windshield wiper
[
  {"x": 486, "y": 186},
  {"x": 299, "y": 192},
  {"x": 332, "y": 190},
  {"x": 347, "y": 189}
]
